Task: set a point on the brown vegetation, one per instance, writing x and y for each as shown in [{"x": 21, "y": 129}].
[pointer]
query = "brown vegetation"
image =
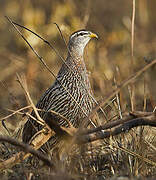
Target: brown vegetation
[{"x": 122, "y": 66}]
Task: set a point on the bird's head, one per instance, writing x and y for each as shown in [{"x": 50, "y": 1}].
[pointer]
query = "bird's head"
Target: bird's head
[{"x": 79, "y": 39}]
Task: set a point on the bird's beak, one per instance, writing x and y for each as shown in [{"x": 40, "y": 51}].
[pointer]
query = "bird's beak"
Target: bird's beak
[{"x": 92, "y": 35}]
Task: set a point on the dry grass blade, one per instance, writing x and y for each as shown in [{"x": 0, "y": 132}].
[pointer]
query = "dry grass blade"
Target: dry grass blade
[
  {"x": 131, "y": 87},
  {"x": 136, "y": 155},
  {"x": 23, "y": 84},
  {"x": 57, "y": 114},
  {"x": 15, "y": 112},
  {"x": 148, "y": 143},
  {"x": 24, "y": 114},
  {"x": 132, "y": 29},
  {"x": 118, "y": 101}
]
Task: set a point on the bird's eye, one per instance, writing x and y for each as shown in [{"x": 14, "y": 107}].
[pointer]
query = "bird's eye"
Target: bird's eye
[{"x": 81, "y": 34}]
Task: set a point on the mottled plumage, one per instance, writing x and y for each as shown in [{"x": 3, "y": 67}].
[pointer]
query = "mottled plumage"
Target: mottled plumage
[{"x": 73, "y": 81}]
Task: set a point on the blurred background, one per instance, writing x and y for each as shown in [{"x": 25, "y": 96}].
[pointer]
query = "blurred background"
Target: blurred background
[{"x": 108, "y": 59}]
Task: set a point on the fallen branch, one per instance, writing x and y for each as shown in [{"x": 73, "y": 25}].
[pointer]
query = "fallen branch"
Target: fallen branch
[
  {"x": 26, "y": 148},
  {"x": 124, "y": 125}
]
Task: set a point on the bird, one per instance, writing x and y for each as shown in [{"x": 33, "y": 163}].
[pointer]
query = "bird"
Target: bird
[{"x": 70, "y": 95}]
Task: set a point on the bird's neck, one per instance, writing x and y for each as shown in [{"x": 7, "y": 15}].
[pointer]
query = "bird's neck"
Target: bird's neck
[
  {"x": 75, "y": 56},
  {"x": 76, "y": 61},
  {"x": 76, "y": 50}
]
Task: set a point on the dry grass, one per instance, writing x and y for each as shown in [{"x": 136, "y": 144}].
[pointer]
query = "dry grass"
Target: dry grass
[{"x": 119, "y": 82}]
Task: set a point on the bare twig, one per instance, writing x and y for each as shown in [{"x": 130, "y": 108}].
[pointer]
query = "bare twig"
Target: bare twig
[
  {"x": 118, "y": 101},
  {"x": 23, "y": 84},
  {"x": 145, "y": 95}
]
